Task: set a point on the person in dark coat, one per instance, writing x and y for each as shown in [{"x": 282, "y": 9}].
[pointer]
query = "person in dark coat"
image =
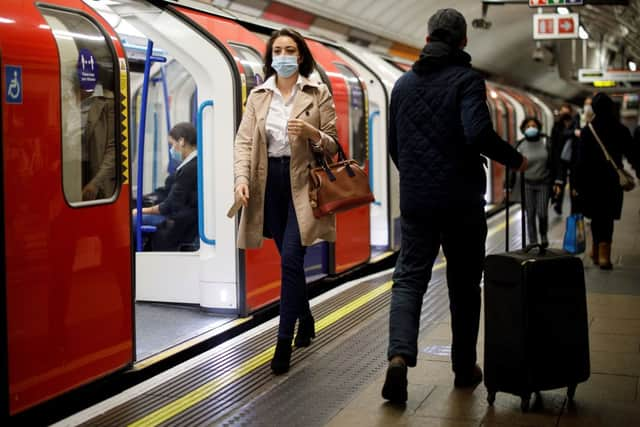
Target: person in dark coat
[
  {"x": 596, "y": 181},
  {"x": 563, "y": 133},
  {"x": 439, "y": 128},
  {"x": 177, "y": 216}
]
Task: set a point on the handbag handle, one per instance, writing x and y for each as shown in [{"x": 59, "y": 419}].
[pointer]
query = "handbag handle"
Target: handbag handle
[
  {"x": 606, "y": 153},
  {"x": 321, "y": 160}
]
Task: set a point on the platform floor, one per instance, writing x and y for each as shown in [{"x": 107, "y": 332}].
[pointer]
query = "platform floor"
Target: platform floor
[
  {"x": 337, "y": 380},
  {"x": 611, "y": 397}
]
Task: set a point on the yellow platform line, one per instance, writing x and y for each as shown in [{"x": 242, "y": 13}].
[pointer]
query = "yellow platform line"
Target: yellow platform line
[{"x": 206, "y": 390}]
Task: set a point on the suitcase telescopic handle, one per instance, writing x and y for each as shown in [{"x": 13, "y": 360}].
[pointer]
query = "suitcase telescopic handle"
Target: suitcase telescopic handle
[{"x": 522, "y": 209}]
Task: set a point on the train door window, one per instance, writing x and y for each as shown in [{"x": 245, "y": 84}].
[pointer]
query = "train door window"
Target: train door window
[
  {"x": 251, "y": 63},
  {"x": 357, "y": 115},
  {"x": 88, "y": 68}
]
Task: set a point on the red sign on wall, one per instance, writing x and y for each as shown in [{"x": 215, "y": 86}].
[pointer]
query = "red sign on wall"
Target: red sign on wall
[
  {"x": 545, "y": 26},
  {"x": 566, "y": 26}
]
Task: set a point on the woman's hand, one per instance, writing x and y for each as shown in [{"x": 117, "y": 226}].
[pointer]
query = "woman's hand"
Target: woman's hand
[
  {"x": 297, "y": 127},
  {"x": 242, "y": 194}
]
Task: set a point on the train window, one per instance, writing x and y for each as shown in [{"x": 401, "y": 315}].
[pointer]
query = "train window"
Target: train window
[
  {"x": 251, "y": 63},
  {"x": 88, "y": 67},
  {"x": 358, "y": 137}
]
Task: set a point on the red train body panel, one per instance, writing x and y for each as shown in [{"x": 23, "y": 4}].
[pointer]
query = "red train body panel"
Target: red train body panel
[{"x": 68, "y": 269}]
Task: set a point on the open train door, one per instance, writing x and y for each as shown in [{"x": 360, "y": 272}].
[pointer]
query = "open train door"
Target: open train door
[{"x": 65, "y": 200}]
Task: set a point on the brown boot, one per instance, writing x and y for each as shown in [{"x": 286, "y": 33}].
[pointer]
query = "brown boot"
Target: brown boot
[
  {"x": 593, "y": 253},
  {"x": 604, "y": 255}
]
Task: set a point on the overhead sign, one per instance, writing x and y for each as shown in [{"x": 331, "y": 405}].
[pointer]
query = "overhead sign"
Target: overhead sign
[
  {"x": 555, "y": 26},
  {"x": 591, "y": 75},
  {"x": 544, "y": 3}
]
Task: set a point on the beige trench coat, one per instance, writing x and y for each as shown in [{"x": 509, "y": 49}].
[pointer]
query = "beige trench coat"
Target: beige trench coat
[{"x": 314, "y": 105}]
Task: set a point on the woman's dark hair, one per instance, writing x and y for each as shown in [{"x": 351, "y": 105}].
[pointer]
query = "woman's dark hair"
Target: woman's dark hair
[
  {"x": 184, "y": 130},
  {"x": 523, "y": 125},
  {"x": 306, "y": 66}
]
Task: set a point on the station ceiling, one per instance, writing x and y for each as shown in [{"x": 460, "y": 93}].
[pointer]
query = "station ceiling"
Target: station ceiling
[{"x": 505, "y": 50}]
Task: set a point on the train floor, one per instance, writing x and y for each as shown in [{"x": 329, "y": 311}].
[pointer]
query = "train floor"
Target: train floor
[{"x": 337, "y": 380}]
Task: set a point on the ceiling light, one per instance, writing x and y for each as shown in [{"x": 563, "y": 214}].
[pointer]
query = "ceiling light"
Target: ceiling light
[
  {"x": 632, "y": 66},
  {"x": 562, "y": 11},
  {"x": 582, "y": 33}
]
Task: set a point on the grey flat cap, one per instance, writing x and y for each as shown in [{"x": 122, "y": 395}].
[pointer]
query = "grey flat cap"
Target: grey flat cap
[{"x": 448, "y": 25}]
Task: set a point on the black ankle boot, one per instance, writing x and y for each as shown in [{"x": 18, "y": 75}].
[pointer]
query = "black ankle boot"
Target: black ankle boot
[
  {"x": 306, "y": 331},
  {"x": 281, "y": 357}
]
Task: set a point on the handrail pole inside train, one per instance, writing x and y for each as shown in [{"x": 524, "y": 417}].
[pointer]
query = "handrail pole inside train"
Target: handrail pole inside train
[
  {"x": 203, "y": 236},
  {"x": 171, "y": 165},
  {"x": 372, "y": 116},
  {"x": 143, "y": 122}
]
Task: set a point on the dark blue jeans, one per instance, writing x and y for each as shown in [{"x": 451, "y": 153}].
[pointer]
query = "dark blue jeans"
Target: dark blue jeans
[
  {"x": 462, "y": 233},
  {"x": 282, "y": 224}
]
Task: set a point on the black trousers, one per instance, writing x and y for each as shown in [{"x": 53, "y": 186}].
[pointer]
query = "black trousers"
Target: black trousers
[
  {"x": 282, "y": 223},
  {"x": 462, "y": 233},
  {"x": 602, "y": 228}
]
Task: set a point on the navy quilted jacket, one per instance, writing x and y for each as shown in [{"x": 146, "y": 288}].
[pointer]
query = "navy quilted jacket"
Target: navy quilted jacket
[{"x": 439, "y": 127}]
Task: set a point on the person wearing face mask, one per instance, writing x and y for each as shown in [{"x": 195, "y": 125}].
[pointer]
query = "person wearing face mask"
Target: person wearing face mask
[
  {"x": 537, "y": 179},
  {"x": 177, "y": 216},
  {"x": 287, "y": 119},
  {"x": 563, "y": 139}
]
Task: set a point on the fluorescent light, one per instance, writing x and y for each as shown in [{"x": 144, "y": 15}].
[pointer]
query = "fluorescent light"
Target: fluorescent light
[
  {"x": 632, "y": 66},
  {"x": 562, "y": 11},
  {"x": 6, "y": 21},
  {"x": 582, "y": 33}
]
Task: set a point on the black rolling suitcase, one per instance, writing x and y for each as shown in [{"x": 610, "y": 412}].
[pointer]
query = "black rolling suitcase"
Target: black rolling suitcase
[{"x": 536, "y": 326}]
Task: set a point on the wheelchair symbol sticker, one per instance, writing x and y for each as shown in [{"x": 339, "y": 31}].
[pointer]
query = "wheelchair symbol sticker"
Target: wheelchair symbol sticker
[{"x": 13, "y": 84}]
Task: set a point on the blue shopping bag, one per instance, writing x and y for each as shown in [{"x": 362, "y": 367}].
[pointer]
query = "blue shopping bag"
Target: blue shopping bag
[{"x": 574, "y": 237}]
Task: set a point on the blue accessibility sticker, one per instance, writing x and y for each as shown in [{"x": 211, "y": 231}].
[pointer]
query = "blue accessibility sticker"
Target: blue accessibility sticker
[{"x": 13, "y": 84}]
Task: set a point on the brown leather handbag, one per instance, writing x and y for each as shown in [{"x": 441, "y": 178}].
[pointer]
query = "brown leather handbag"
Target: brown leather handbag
[{"x": 337, "y": 187}]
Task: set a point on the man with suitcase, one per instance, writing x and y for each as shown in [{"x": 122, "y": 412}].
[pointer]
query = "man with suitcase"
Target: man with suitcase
[{"x": 439, "y": 129}]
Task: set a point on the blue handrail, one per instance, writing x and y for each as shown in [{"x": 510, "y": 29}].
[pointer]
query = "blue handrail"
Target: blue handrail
[
  {"x": 372, "y": 116},
  {"x": 203, "y": 236},
  {"x": 143, "y": 122},
  {"x": 154, "y": 177}
]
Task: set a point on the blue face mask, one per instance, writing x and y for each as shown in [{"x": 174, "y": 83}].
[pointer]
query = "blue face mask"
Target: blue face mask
[
  {"x": 285, "y": 65},
  {"x": 531, "y": 132},
  {"x": 175, "y": 154}
]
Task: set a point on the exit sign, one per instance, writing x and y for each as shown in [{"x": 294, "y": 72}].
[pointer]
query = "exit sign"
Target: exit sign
[
  {"x": 555, "y": 26},
  {"x": 543, "y": 3}
]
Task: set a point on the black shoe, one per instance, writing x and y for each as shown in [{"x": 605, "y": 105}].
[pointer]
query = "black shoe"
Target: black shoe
[
  {"x": 306, "y": 331},
  {"x": 395, "y": 384},
  {"x": 469, "y": 380},
  {"x": 281, "y": 357}
]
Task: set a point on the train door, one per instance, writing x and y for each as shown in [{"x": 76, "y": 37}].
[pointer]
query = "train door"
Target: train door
[
  {"x": 181, "y": 77},
  {"x": 68, "y": 255},
  {"x": 353, "y": 242},
  {"x": 377, "y": 151}
]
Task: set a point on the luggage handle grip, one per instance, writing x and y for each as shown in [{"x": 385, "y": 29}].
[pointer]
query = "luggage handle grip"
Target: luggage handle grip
[{"x": 541, "y": 249}]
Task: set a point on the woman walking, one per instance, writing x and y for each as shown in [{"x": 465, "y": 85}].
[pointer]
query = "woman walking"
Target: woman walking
[
  {"x": 286, "y": 120},
  {"x": 597, "y": 183}
]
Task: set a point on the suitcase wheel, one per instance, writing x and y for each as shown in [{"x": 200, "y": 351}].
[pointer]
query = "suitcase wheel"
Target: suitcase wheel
[
  {"x": 524, "y": 402},
  {"x": 571, "y": 391},
  {"x": 491, "y": 397}
]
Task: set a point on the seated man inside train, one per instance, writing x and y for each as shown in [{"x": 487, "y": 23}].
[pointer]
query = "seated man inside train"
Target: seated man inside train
[
  {"x": 98, "y": 139},
  {"x": 176, "y": 217}
]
